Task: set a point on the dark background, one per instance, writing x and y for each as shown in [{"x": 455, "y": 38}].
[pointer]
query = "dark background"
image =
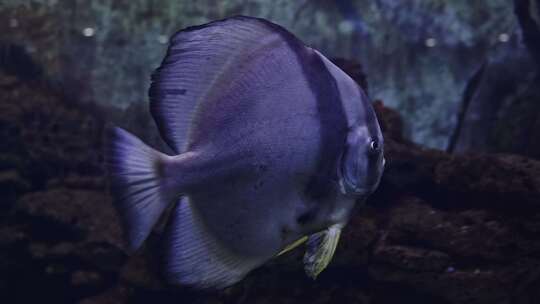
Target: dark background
[{"x": 457, "y": 91}]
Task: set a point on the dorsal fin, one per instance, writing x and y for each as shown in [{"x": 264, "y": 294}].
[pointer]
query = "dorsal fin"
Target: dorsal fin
[{"x": 197, "y": 60}]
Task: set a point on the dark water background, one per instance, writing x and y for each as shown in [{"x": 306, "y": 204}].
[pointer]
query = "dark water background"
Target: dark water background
[{"x": 456, "y": 88}]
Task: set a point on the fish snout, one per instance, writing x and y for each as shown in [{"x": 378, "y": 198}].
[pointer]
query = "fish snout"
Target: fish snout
[{"x": 350, "y": 188}]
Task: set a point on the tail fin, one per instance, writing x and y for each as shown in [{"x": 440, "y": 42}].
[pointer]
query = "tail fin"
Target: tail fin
[{"x": 140, "y": 197}]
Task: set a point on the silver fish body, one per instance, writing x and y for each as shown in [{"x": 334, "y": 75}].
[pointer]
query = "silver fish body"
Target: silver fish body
[{"x": 273, "y": 143}]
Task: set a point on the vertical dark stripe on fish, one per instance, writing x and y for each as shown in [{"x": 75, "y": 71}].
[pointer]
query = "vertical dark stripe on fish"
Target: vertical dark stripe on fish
[
  {"x": 372, "y": 125},
  {"x": 333, "y": 130},
  {"x": 331, "y": 113}
]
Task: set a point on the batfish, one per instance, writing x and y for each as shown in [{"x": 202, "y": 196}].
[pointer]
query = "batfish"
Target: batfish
[{"x": 273, "y": 145}]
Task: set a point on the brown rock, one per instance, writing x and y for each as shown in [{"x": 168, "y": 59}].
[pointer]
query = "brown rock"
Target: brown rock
[
  {"x": 77, "y": 214},
  {"x": 12, "y": 185},
  {"x": 507, "y": 181}
]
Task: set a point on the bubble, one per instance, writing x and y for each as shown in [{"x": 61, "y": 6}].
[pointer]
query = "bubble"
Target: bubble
[
  {"x": 431, "y": 42},
  {"x": 88, "y": 32},
  {"x": 163, "y": 39},
  {"x": 346, "y": 27},
  {"x": 504, "y": 37},
  {"x": 30, "y": 49},
  {"x": 13, "y": 23}
]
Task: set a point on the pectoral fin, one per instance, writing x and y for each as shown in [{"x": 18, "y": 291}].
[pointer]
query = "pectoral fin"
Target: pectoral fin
[{"x": 320, "y": 250}]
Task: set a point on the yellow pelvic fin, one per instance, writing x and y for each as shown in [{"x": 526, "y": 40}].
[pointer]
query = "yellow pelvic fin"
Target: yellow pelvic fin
[
  {"x": 295, "y": 244},
  {"x": 321, "y": 248}
]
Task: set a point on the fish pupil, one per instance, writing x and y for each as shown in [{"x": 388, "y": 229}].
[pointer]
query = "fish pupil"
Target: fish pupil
[{"x": 375, "y": 145}]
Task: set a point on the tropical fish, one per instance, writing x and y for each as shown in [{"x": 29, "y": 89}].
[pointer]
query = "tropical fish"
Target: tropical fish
[{"x": 273, "y": 145}]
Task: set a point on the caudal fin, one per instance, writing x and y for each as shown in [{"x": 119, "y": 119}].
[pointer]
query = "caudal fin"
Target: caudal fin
[{"x": 136, "y": 184}]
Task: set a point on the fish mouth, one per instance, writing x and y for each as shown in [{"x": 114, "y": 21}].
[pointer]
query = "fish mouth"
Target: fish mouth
[{"x": 350, "y": 188}]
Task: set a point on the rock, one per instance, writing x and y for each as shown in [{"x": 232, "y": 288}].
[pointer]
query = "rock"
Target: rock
[
  {"x": 79, "y": 182},
  {"x": 11, "y": 161},
  {"x": 483, "y": 179},
  {"x": 412, "y": 259},
  {"x": 517, "y": 128},
  {"x": 71, "y": 215},
  {"x": 66, "y": 241},
  {"x": 528, "y": 15},
  {"x": 390, "y": 121},
  {"x": 87, "y": 282},
  {"x": 457, "y": 254},
  {"x": 12, "y": 185},
  {"x": 54, "y": 136},
  {"x": 112, "y": 296},
  {"x": 500, "y": 110},
  {"x": 15, "y": 60},
  {"x": 138, "y": 271},
  {"x": 488, "y": 94}
]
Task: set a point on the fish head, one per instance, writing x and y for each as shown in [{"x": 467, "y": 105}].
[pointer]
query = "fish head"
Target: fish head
[{"x": 362, "y": 161}]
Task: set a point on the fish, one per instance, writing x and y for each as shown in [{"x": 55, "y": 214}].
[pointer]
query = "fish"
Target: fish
[{"x": 273, "y": 146}]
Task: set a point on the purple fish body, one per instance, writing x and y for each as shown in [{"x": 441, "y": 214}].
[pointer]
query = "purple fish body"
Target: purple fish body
[{"x": 272, "y": 143}]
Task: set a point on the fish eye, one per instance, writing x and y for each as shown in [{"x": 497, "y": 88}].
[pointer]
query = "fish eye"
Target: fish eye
[{"x": 374, "y": 146}]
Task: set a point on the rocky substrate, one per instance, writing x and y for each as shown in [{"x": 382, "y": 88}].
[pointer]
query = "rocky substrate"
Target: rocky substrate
[{"x": 440, "y": 228}]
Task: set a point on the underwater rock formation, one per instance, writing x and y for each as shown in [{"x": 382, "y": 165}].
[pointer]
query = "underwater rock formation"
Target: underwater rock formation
[
  {"x": 500, "y": 109},
  {"x": 528, "y": 15},
  {"x": 441, "y": 228}
]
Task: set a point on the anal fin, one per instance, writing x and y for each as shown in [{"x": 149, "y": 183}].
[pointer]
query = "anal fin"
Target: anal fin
[{"x": 193, "y": 257}]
